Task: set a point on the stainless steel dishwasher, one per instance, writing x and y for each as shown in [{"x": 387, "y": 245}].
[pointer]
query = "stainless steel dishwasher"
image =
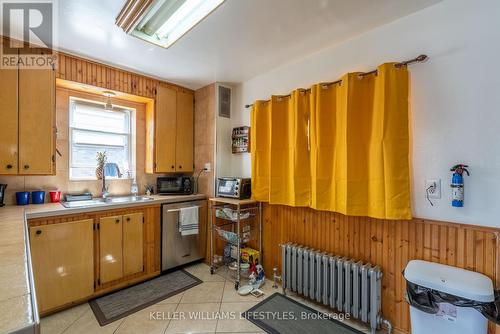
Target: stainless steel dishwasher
[{"x": 177, "y": 249}]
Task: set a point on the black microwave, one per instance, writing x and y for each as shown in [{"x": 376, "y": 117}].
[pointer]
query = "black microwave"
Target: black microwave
[{"x": 174, "y": 185}]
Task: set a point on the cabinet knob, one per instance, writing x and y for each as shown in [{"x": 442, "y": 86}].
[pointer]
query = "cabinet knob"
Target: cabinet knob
[
  {"x": 128, "y": 219},
  {"x": 26, "y": 166},
  {"x": 180, "y": 167},
  {"x": 173, "y": 166},
  {"x": 38, "y": 232},
  {"x": 9, "y": 166},
  {"x": 117, "y": 221}
]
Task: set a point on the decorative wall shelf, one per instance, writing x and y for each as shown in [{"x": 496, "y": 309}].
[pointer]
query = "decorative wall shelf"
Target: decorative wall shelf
[{"x": 241, "y": 140}]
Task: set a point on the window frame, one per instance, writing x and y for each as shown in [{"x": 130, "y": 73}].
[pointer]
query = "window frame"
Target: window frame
[{"x": 73, "y": 101}]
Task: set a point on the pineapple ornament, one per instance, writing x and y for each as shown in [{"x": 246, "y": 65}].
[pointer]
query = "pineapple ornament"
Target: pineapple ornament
[{"x": 101, "y": 161}]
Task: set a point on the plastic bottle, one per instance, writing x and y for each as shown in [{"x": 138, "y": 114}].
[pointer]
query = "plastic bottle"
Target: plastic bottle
[{"x": 134, "y": 189}]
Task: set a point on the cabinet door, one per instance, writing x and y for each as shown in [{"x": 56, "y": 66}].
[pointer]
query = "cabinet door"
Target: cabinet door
[
  {"x": 133, "y": 247},
  {"x": 110, "y": 248},
  {"x": 8, "y": 115},
  {"x": 184, "y": 139},
  {"x": 165, "y": 128},
  {"x": 36, "y": 122},
  {"x": 63, "y": 266}
]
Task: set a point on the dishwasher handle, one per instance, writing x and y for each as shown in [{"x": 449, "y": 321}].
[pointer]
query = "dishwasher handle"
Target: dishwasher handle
[{"x": 179, "y": 209}]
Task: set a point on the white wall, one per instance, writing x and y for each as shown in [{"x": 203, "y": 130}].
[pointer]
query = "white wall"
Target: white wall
[
  {"x": 223, "y": 135},
  {"x": 455, "y": 98}
]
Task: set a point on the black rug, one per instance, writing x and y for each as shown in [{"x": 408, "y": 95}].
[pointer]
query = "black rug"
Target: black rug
[
  {"x": 122, "y": 303},
  {"x": 279, "y": 314}
]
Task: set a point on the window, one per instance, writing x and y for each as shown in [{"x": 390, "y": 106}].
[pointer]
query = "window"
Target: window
[{"x": 93, "y": 129}]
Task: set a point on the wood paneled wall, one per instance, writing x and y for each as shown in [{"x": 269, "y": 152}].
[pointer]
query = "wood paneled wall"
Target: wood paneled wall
[
  {"x": 387, "y": 243},
  {"x": 87, "y": 72}
]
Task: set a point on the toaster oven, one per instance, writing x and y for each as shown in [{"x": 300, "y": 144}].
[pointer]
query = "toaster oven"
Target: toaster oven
[{"x": 234, "y": 187}]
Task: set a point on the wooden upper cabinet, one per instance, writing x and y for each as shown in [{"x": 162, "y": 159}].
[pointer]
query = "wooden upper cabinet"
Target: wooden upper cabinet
[
  {"x": 133, "y": 243},
  {"x": 27, "y": 111},
  {"x": 63, "y": 265},
  {"x": 185, "y": 136},
  {"x": 110, "y": 248},
  {"x": 9, "y": 117},
  {"x": 165, "y": 129},
  {"x": 36, "y": 121},
  {"x": 169, "y": 132}
]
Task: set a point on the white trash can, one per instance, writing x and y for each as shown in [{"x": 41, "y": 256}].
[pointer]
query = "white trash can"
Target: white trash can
[{"x": 449, "y": 319}]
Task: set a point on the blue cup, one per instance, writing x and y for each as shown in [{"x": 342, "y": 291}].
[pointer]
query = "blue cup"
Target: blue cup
[
  {"x": 37, "y": 197},
  {"x": 22, "y": 198}
]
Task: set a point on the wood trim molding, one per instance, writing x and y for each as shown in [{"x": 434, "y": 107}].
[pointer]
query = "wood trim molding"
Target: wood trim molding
[
  {"x": 131, "y": 13},
  {"x": 88, "y": 72}
]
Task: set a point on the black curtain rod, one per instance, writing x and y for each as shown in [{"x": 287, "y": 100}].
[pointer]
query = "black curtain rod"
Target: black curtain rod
[{"x": 418, "y": 59}]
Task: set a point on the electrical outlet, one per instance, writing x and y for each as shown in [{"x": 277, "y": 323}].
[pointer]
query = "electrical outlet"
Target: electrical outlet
[
  {"x": 208, "y": 167},
  {"x": 433, "y": 188}
]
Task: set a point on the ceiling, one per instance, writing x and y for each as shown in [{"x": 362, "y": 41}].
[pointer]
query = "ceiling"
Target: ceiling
[{"x": 238, "y": 41}]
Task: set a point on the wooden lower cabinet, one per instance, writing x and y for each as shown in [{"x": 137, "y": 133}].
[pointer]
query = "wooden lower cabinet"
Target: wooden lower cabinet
[
  {"x": 63, "y": 262},
  {"x": 110, "y": 248},
  {"x": 82, "y": 256},
  {"x": 133, "y": 243},
  {"x": 121, "y": 246}
]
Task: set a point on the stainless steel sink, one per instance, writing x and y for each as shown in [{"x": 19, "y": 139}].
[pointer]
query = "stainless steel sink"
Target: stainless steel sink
[
  {"x": 128, "y": 199},
  {"x": 107, "y": 201}
]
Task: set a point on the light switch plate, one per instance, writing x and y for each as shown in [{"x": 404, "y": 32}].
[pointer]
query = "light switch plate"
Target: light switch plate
[{"x": 433, "y": 188}]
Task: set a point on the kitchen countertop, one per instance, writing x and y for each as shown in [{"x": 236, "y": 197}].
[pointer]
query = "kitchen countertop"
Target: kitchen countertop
[
  {"x": 57, "y": 209},
  {"x": 17, "y": 311}
]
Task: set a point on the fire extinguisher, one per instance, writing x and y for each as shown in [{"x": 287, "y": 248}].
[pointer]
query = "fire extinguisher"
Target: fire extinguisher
[{"x": 457, "y": 185}]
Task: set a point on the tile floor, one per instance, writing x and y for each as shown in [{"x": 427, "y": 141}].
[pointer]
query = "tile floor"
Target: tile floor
[{"x": 215, "y": 294}]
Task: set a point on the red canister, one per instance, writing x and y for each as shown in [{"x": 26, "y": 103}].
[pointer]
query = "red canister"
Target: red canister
[{"x": 55, "y": 196}]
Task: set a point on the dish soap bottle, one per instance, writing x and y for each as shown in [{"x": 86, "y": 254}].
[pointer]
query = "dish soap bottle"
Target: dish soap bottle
[{"x": 134, "y": 189}]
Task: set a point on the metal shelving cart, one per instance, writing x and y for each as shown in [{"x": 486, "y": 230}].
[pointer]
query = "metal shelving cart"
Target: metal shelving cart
[{"x": 237, "y": 223}]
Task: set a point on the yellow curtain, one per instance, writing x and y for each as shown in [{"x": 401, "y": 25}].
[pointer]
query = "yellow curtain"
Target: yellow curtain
[
  {"x": 289, "y": 171},
  {"x": 327, "y": 147},
  {"x": 260, "y": 143},
  {"x": 360, "y": 145},
  {"x": 358, "y": 162}
]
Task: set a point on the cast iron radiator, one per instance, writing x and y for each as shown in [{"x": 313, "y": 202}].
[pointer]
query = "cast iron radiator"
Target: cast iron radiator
[{"x": 347, "y": 285}]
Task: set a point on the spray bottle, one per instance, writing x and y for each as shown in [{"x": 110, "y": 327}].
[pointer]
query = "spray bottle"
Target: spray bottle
[{"x": 457, "y": 185}]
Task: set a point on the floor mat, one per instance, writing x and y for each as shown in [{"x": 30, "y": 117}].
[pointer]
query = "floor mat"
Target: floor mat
[
  {"x": 119, "y": 304},
  {"x": 279, "y": 314}
]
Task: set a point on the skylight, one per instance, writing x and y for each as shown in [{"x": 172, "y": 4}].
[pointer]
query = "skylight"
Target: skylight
[{"x": 168, "y": 20}]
